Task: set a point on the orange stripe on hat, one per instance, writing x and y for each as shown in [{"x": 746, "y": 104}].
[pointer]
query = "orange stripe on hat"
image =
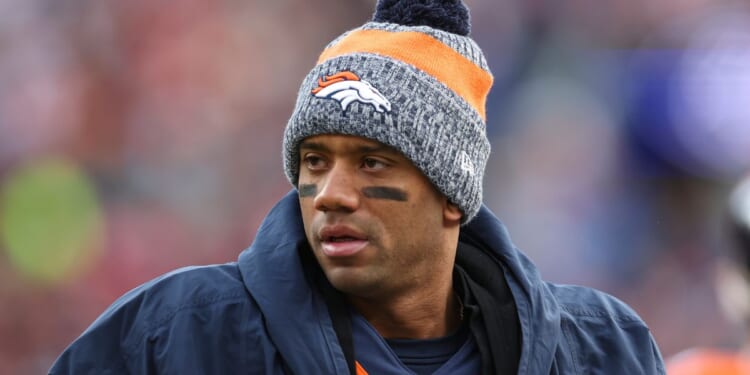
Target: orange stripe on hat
[{"x": 424, "y": 52}]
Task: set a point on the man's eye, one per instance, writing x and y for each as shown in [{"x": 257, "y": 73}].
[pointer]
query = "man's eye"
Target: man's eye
[
  {"x": 314, "y": 162},
  {"x": 371, "y": 163}
]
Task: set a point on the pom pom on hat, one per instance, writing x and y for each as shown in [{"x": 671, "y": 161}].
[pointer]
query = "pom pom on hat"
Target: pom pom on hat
[{"x": 447, "y": 15}]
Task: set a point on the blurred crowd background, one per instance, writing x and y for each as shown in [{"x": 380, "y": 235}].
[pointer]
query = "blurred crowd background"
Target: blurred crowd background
[{"x": 140, "y": 136}]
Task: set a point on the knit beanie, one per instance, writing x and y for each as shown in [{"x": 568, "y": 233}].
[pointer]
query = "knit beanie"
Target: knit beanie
[{"x": 413, "y": 79}]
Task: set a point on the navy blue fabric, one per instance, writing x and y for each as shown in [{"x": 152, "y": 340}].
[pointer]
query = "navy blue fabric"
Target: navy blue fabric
[
  {"x": 426, "y": 356},
  {"x": 452, "y": 355},
  {"x": 448, "y": 15},
  {"x": 260, "y": 315}
]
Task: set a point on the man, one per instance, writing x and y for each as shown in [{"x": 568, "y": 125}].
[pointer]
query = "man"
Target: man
[
  {"x": 733, "y": 291},
  {"x": 383, "y": 259}
]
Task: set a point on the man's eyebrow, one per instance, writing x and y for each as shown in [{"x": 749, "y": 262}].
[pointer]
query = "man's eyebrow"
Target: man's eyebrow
[
  {"x": 375, "y": 149},
  {"x": 363, "y": 149},
  {"x": 314, "y": 146}
]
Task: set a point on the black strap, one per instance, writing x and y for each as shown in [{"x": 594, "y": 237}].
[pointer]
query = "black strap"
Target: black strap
[
  {"x": 480, "y": 282},
  {"x": 337, "y": 305}
]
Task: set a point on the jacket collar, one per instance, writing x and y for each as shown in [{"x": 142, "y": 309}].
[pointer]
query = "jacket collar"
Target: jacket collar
[
  {"x": 273, "y": 274},
  {"x": 538, "y": 312}
]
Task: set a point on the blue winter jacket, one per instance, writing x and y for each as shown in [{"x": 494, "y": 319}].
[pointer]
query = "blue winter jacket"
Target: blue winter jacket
[{"x": 259, "y": 315}]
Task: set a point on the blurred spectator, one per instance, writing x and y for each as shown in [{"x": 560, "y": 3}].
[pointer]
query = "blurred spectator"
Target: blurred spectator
[{"x": 733, "y": 290}]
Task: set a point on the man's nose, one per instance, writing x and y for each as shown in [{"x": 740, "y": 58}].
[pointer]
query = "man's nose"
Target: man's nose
[{"x": 337, "y": 191}]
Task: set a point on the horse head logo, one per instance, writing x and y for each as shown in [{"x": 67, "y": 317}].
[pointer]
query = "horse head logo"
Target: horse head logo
[{"x": 346, "y": 87}]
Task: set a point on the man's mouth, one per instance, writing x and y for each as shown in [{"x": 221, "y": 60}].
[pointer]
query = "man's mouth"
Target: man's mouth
[
  {"x": 342, "y": 247},
  {"x": 340, "y": 241}
]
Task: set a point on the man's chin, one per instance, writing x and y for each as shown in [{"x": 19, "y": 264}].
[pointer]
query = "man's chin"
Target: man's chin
[{"x": 351, "y": 281}]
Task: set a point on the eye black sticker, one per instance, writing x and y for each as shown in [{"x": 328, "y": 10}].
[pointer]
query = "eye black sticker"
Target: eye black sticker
[
  {"x": 384, "y": 192},
  {"x": 307, "y": 190}
]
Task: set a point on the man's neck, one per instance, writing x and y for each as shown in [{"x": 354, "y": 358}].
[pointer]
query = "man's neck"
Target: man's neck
[{"x": 415, "y": 315}]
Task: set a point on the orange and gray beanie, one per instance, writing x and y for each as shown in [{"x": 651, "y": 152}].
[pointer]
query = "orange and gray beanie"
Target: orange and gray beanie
[{"x": 413, "y": 79}]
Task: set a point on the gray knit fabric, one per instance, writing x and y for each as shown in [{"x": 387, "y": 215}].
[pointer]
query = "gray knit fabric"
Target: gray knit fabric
[{"x": 425, "y": 120}]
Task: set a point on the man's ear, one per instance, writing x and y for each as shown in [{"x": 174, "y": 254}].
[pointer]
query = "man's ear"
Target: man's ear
[{"x": 451, "y": 212}]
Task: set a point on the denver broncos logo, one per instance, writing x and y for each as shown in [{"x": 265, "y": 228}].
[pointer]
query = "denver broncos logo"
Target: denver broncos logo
[{"x": 346, "y": 87}]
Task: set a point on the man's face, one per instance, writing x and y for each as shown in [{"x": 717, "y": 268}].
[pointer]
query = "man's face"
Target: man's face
[{"x": 374, "y": 222}]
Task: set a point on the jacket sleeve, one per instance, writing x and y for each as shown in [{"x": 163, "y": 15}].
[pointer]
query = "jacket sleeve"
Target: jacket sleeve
[
  {"x": 602, "y": 335},
  {"x": 101, "y": 348},
  {"x": 97, "y": 351},
  {"x": 107, "y": 346},
  {"x": 195, "y": 320},
  {"x": 605, "y": 344}
]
